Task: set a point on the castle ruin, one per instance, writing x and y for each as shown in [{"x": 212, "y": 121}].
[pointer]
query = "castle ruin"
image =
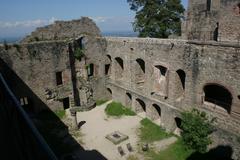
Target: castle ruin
[{"x": 157, "y": 78}]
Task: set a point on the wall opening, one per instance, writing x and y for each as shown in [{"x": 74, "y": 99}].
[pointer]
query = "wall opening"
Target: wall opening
[
  {"x": 218, "y": 95},
  {"x": 215, "y": 33},
  {"x": 59, "y": 80},
  {"x": 182, "y": 76},
  {"x": 24, "y": 101},
  {"x": 109, "y": 93},
  {"x": 119, "y": 68},
  {"x": 107, "y": 69},
  {"x": 140, "y": 106},
  {"x": 158, "y": 110},
  {"x": 79, "y": 43},
  {"x": 90, "y": 70},
  {"x": 209, "y": 3},
  {"x": 237, "y": 9},
  {"x": 128, "y": 100},
  {"x": 140, "y": 72},
  {"x": 160, "y": 83},
  {"x": 178, "y": 122},
  {"x": 108, "y": 65},
  {"x": 66, "y": 103},
  {"x": 239, "y": 97}
]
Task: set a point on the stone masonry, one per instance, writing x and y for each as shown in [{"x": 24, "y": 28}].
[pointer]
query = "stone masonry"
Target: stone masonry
[{"x": 157, "y": 78}]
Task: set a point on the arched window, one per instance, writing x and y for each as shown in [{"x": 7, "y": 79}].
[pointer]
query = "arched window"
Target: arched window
[{"x": 218, "y": 95}]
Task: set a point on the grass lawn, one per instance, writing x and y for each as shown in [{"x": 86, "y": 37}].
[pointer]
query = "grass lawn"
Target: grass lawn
[
  {"x": 117, "y": 109},
  {"x": 176, "y": 151},
  {"x": 150, "y": 132},
  {"x": 101, "y": 101},
  {"x": 60, "y": 113}
]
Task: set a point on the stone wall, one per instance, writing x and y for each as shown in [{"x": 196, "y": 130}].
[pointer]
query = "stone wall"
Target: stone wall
[
  {"x": 30, "y": 70},
  {"x": 201, "y": 20},
  {"x": 202, "y": 63},
  {"x": 62, "y": 30}
]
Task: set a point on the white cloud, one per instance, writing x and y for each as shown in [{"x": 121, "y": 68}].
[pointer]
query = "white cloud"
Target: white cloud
[
  {"x": 27, "y": 23},
  {"x": 100, "y": 19}
]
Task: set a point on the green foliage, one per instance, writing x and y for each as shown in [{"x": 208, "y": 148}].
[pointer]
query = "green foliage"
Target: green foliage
[
  {"x": 117, "y": 109},
  {"x": 157, "y": 18},
  {"x": 176, "y": 151},
  {"x": 79, "y": 53},
  {"x": 196, "y": 128},
  {"x": 150, "y": 132},
  {"x": 101, "y": 101},
  {"x": 60, "y": 113}
]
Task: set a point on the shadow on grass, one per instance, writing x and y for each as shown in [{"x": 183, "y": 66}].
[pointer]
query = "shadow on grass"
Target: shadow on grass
[{"x": 218, "y": 153}]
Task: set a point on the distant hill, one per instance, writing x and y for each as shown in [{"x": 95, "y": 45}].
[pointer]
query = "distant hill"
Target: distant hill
[
  {"x": 120, "y": 34},
  {"x": 10, "y": 39},
  {"x": 107, "y": 34}
]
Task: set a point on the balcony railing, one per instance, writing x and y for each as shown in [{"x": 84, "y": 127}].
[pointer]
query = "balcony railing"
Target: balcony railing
[{"x": 19, "y": 137}]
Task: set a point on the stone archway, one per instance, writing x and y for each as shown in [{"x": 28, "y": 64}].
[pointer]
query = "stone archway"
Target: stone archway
[
  {"x": 217, "y": 96},
  {"x": 139, "y": 73},
  {"x": 128, "y": 100},
  {"x": 140, "y": 107},
  {"x": 119, "y": 68},
  {"x": 157, "y": 113}
]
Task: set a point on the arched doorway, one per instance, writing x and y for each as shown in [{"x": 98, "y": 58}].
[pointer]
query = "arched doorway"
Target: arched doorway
[
  {"x": 178, "y": 122},
  {"x": 157, "y": 113},
  {"x": 218, "y": 96},
  {"x": 108, "y": 65},
  {"x": 109, "y": 93},
  {"x": 119, "y": 67},
  {"x": 160, "y": 82},
  {"x": 139, "y": 73},
  {"x": 180, "y": 84},
  {"x": 140, "y": 107},
  {"x": 128, "y": 100}
]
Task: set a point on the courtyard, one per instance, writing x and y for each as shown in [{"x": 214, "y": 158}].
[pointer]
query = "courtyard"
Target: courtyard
[{"x": 95, "y": 125}]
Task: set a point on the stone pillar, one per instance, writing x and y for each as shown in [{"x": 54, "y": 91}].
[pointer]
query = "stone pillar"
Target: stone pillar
[{"x": 74, "y": 119}]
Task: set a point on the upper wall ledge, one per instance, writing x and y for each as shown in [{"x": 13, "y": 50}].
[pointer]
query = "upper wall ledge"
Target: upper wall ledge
[
  {"x": 145, "y": 40},
  {"x": 214, "y": 43}
]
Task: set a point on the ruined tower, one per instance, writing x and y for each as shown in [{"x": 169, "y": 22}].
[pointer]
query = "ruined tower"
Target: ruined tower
[{"x": 217, "y": 20}]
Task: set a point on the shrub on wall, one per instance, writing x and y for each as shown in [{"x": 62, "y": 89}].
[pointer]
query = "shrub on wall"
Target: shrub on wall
[
  {"x": 196, "y": 128},
  {"x": 79, "y": 53}
]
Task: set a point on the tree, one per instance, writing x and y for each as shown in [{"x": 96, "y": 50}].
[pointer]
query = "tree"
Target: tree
[
  {"x": 157, "y": 18},
  {"x": 196, "y": 128}
]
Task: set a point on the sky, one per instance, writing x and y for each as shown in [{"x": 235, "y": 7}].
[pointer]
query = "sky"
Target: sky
[{"x": 20, "y": 17}]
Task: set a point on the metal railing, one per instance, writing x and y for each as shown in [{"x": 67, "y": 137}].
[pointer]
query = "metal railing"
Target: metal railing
[{"x": 24, "y": 139}]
